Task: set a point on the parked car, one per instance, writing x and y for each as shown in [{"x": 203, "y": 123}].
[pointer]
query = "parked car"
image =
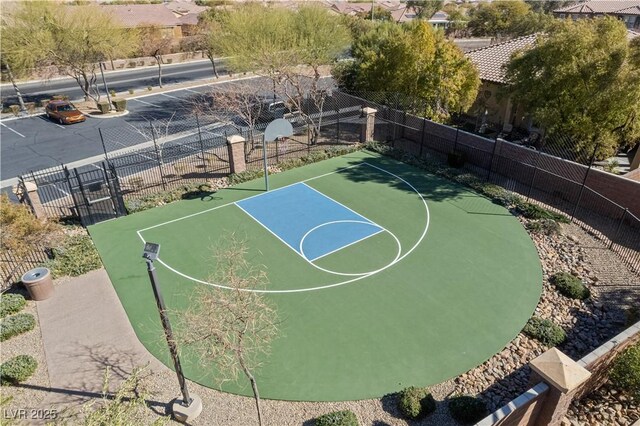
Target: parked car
[
  {"x": 64, "y": 112},
  {"x": 270, "y": 110}
]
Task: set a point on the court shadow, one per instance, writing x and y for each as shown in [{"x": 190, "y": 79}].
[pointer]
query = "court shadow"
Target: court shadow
[{"x": 404, "y": 177}]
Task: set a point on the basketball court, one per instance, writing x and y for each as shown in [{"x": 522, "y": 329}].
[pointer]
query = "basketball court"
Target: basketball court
[{"x": 384, "y": 276}]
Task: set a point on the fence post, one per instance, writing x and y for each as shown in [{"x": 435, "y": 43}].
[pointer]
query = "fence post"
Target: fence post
[
  {"x": 584, "y": 182},
  {"x": 533, "y": 177},
  {"x": 615, "y": 236},
  {"x": 455, "y": 142},
  {"x": 335, "y": 104},
  {"x": 496, "y": 143},
  {"x": 75, "y": 203},
  {"x": 422, "y": 136},
  {"x": 204, "y": 161},
  {"x": 104, "y": 147},
  {"x": 277, "y": 150},
  {"x": 158, "y": 158},
  {"x": 564, "y": 377}
]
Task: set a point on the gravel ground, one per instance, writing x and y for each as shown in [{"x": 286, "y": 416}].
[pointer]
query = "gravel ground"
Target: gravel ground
[
  {"x": 612, "y": 283},
  {"x": 29, "y": 396}
]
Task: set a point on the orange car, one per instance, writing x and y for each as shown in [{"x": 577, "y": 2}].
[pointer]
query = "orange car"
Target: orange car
[{"x": 64, "y": 112}]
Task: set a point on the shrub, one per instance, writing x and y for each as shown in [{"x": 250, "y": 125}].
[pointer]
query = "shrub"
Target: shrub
[
  {"x": 149, "y": 88},
  {"x": 631, "y": 315},
  {"x": 120, "y": 104},
  {"x": 570, "y": 286},
  {"x": 467, "y": 409},
  {"x": 60, "y": 97},
  {"x": 16, "y": 324},
  {"x": 112, "y": 93},
  {"x": 17, "y": 369},
  {"x": 543, "y": 226},
  {"x": 131, "y": 91},
  {"x": 456, "y": 159},
  {"x": 15, "y": 109},
  {"x": 416, "y": 403},
  {"x": 44, "y": 102},
  {"x": 11, "y": 304},
  {"x": 533, "y": 211},
  {"x": 625, "y": 372},
  {"x": 131, "y": 64},
  {"x": 544, "y": 331},
  {"x": 30, "y": 106},
  {"x": 75, "y": 256},
  {"x": 338, "y": 418},
  {"x": 103, "y": 106}
]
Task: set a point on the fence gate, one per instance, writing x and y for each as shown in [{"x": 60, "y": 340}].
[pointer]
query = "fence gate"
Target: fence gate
[{"x": 96, "y": 194}]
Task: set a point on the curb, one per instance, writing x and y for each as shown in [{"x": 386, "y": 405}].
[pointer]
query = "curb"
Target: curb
[{"x": 105, "y": 117}]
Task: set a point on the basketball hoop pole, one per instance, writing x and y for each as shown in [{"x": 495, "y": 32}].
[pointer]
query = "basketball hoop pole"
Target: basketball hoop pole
[{"x": 266, "y": 167}]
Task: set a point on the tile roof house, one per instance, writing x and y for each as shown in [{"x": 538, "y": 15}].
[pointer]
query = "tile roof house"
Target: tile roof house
[
  {"x": 440, "y": 19},
  {"x": 627, "y": 11},
  {"x": 490, "y": 62},
  {"x": 399, "y": 12},
  {"x": 145, "y": 15}
]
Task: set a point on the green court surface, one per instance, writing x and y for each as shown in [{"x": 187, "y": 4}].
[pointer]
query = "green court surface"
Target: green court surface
[{"x": 451, "y": 280}]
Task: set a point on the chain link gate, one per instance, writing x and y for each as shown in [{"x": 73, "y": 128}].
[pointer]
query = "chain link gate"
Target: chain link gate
[{"x": 96, "y": 194}]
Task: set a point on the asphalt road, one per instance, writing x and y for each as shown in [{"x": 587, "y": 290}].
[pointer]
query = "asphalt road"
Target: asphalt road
[
  {"x": 119, "y": 80},
  {"x": 36, "y": 143}
]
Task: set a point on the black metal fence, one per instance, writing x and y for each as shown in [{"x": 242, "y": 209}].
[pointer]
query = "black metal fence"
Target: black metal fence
[
  {"x": 556, "y": 182},
  {"x": 12, "y": 267},
  {"x": 155, "y": 155}
]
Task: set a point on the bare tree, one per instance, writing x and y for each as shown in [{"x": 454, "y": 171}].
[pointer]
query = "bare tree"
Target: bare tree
[
  {"x": 156, "y": 42},
  {"x": 240, "y": 103},
  {"x": 231, "y": 324}
]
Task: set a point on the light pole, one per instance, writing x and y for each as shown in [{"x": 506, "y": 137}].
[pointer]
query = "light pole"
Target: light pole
[
  {"x": 106, "y": 89},
  {"x": 191, "y": 405}
]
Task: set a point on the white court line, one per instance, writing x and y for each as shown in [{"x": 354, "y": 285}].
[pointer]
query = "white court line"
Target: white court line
[
  {"x": 14, "y": 131},
  {"x": 193, "y": 91},
  {"x": 172, "y": 97},
  {"x": 146, "y": 103},
  {"x": 337, "y": 202},
  {"x": 350, "y": 244},
  {"x": 300, "y": 290},
  {"x": 248, "y": 198}
]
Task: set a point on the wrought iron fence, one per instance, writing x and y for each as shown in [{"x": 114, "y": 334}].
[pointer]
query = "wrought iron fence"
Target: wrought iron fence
[
  {"x": 12, "y": 267},
  {"x": 159, "y": 154}
]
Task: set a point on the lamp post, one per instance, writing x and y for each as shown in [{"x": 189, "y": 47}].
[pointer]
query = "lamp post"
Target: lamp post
[
  {"x": 104, "y": 82},
  {"x": 191, "y": 405}
]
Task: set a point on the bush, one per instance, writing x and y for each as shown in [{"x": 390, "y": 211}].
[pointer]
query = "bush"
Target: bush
[
  {"x": 112, "y": 93},
  {"x": 338, "y": 418},
  {"x": 149, "y": 88},
  {"x": 543, "y": 226},
  {"x": 11, "y": 304},
  {"x": 533, "y": 211},
  {"x": 570, "y": 286},
  {"x": 416, "y": 403},
  {"x": 467, "y": 409},
  {"x": 17, "y": 369},
  {"x": 456, "y": 159},
  {"x": 625, "y": 373},
  {"x": 544, "y": 331},
  {"x": 15, "y": 109},
  {"x": 103, "y": 106},
  {"x": 120, "y": 104},
  {"x": 16, "y": 324},
  {"x": 75, "y": 256},
  {"x": 44, "y": 102},
  {"x": 30, "y": 106},
  {"x": 60, "y": 97},
  {"x": 131, "y": 91}
]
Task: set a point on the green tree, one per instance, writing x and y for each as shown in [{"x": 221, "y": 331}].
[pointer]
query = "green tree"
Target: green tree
[
  {"x": 548, "y": 6},
  {"x": 72, "y": 39},
  {"x": 582, "y": 79},
  {"x": 415, "y": 61},
  {"x": 425, "y": 8},
  {"x": 289, "y": 47},
  {"x": 379, "y": 14},
  {"x": 506, "y": 18}
]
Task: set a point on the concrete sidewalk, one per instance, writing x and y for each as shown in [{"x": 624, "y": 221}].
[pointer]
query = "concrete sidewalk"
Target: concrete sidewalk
[{"x": 85, "y": 330}]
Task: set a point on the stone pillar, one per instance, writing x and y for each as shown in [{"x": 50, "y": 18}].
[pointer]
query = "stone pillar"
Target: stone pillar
[
  {"x": 31, "y": 198},
  {"x": 366, "y": 132},
  {"x": 235, "y": 145},
  {"x": 564, "y": 377},
  {"x": 497, "y": 150}
]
